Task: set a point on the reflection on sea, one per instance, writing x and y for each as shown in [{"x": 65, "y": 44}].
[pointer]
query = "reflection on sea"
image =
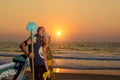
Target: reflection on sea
[{"x": 56, "y": 70}]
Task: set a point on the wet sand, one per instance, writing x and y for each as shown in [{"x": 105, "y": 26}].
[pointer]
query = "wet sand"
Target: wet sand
[
  {"x": 70, "y": 74},
  {"x": 79, "y": 76}
]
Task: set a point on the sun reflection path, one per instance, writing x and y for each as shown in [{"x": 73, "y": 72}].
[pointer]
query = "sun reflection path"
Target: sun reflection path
[{"x": 57, "y": 70}]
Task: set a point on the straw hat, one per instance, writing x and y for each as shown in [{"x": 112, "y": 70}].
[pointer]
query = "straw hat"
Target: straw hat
[{"x": 46, "y": 35}]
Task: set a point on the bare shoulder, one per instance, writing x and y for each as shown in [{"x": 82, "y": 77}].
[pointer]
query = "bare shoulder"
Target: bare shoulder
[
  {"x": 28, "y": 41},
  {"x": 45, "y": 47}
]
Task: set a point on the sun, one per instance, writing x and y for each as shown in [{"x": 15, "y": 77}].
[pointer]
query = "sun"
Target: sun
[{"x": 58, "y": 33}]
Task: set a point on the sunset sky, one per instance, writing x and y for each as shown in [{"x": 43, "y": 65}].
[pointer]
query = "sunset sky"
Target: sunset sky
[{"x": 76, "y": 20}]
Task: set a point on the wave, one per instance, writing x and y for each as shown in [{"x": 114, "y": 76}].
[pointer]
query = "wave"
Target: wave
[
  {"x": 87, "y": 68},
  {"x": 71, "y": 62},
  {"x": 90, "y": 58},
  {"x": 108, "y": 58}
]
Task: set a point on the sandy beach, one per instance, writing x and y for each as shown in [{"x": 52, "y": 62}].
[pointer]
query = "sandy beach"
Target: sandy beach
[
  {"x": 79, "y": 76},
  {"x": 70, "y": 66},
  {"x": 71, "y": 74},
  {"x": 84, "y": 76}
]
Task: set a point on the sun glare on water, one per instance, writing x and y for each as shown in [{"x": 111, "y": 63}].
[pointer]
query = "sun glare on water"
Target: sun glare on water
[{"x": 57, "y": 70}]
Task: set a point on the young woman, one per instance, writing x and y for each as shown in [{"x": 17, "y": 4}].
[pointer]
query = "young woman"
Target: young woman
[{"x": 47, "y": 58}]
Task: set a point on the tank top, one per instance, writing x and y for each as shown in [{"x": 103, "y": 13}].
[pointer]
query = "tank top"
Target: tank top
[{"x": 38, "y": 56}]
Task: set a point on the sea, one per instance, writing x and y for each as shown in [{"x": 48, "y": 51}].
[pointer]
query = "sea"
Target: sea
[
  {"x": 95, "y": 59},
  {"x": 78, "y": 61}
]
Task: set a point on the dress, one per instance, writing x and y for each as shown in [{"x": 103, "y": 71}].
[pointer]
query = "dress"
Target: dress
[{"x": 50, "y": 65}]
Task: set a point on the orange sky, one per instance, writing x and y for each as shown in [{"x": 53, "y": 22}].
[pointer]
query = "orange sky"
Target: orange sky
[{"x": 78, "y": 20}]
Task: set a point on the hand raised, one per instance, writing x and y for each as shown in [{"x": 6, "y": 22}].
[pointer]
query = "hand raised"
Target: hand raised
[{"x": 31, "y": 55}]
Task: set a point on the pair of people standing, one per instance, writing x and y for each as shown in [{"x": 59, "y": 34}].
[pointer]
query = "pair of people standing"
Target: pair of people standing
[{"x": 40, "y": 45}]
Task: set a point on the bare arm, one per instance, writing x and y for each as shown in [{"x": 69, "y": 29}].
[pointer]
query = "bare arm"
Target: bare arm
[
  {"x": 45, "y": 56},
  {"x": 23, "y": 46}
]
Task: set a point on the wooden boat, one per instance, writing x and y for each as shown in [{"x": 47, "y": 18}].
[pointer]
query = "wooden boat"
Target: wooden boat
[{"x": 14, "y": 70}]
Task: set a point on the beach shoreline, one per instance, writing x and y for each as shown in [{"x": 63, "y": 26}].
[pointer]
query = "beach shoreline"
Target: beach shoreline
[
  {"x": 76, "y": 71},
  {"x": 80, "y": 76},
  {"x": 99, "y": 72},
  {"x": 72, "y": 74}
]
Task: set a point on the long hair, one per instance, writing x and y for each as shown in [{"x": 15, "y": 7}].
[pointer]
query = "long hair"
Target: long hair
[{"x": 46, "y": 35}]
